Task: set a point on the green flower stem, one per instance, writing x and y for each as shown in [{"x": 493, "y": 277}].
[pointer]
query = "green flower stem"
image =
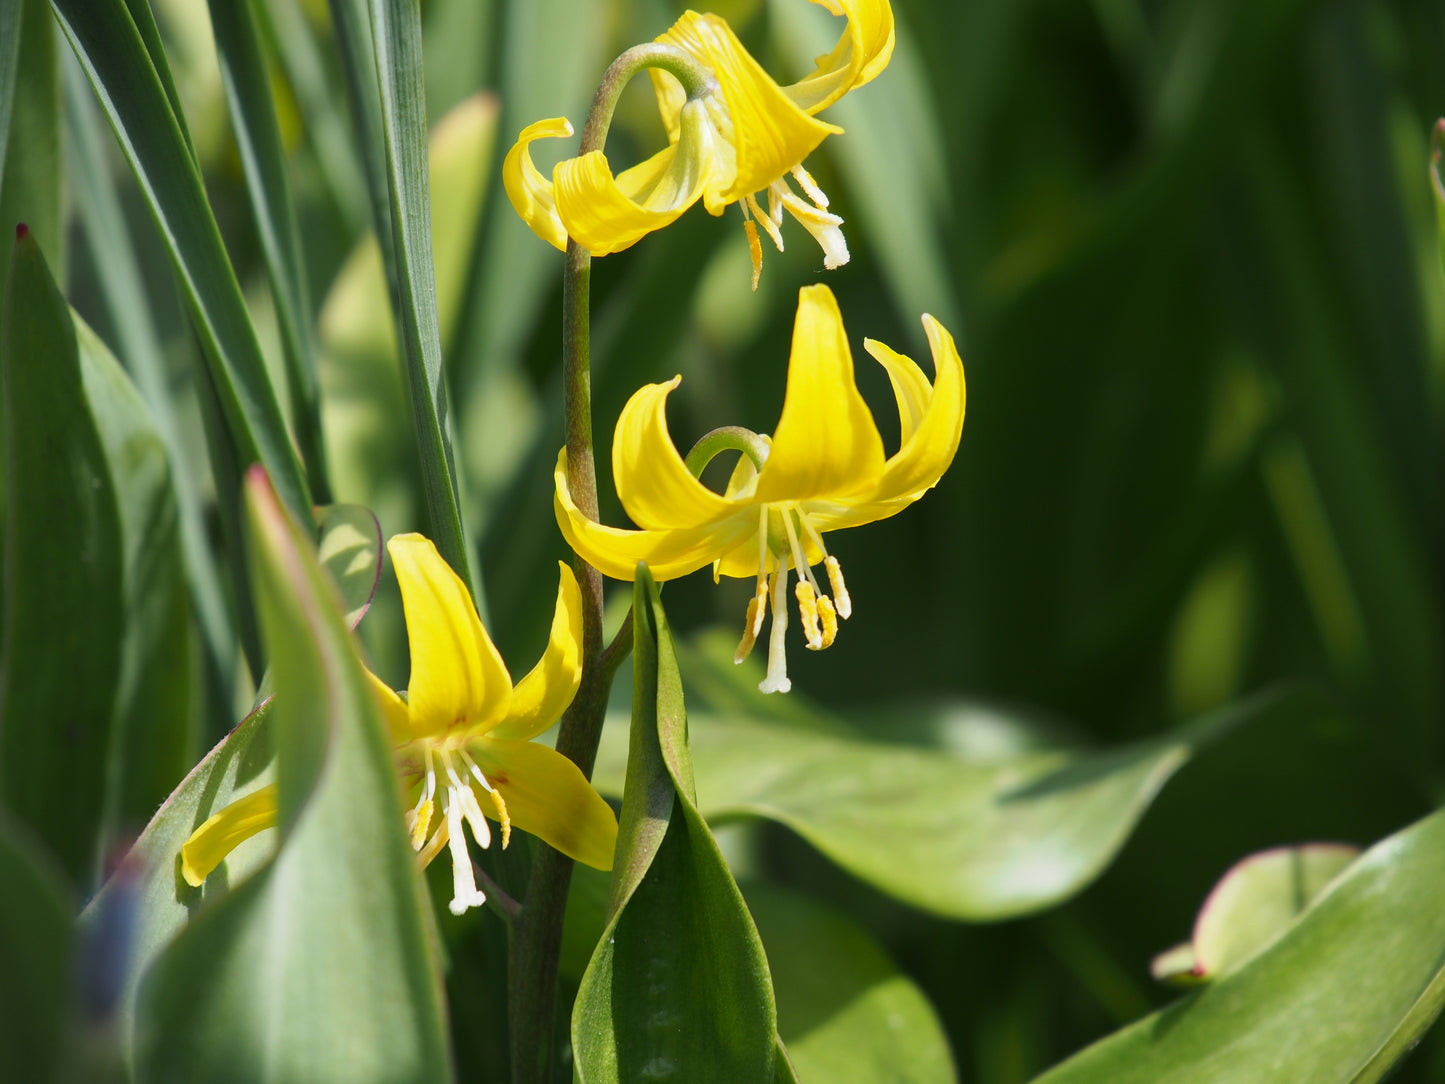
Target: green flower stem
[
  {"x": 537, "y": 927},
  {"x": 728, "y": 438}
]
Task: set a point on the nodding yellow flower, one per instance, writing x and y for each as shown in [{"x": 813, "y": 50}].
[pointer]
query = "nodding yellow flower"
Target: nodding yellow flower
[
  {"x": 462, "y": 737},
  {"x": 823, "y": 469},
  {"x": 740, "y": 138}
]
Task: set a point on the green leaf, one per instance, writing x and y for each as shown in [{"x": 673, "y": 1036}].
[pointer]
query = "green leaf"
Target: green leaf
[
  {"x": 396, "y": 37},
  {"x": 678, "y": 987},
  {"x": 1340, "y": 998},
  {"x": 964, "y": 810},
  {"x": 1437, "y": 182},
  {"x": 35, "y": 943},
  {"x": 350, "y": 550},
  {"x": 1251, "y": 906},
  {"x": 134, "y": 98},
  {"x": 64, "y": 605},
  {"x": 844, "y": 1010},
  {"x": 153, "y": 739},
  {"x": 31, "y": 187},
  {"x": 263, "y": 161},
  {"x": 319, "y": 967}
]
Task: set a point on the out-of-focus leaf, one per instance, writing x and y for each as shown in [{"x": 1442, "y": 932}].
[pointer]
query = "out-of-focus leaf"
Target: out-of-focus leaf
[
  {"x": 1339, "y": 998},
  {"x": 978, "y": 822},
  {"x": 678, "y": 987},
  {"x": 263, "y": 161},
  {"x": 1251, "y": 906},
  {"x": 31, "y": 185},
  {"x": 844, "y": 1010},
  {"x": 396, "y": 38},
  {"x": 64, "y": 602},
  {"x": 134, "y": 98},
  {"x": 369, "y": 446},
  {"x": 35, "y": 943},
  {"x": 153, "y": 740},
  {"x": 319, "y": 966},
  {"x": 1437, "y": 181},
  {"x": 349, "y": 549},
  {"x": 891, "y": 156}
]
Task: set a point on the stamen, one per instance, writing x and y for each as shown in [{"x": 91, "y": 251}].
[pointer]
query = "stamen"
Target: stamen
[
  {"x": 503, "y": 817},
  {"x": 755, "y": 246},
  {"x": 465, "y": 893},
  {"x": 808, "y": 608},
  {"x": 800, "y": 559},
  {"x": 418, "y": 821},
  {"x": 472, "y": 767},
  {"x": 433, "y": 846},
  {"x": 776, "y": 191},
  {"x": 808, "y": 185},
  {"x": 774, "y": 234},
  {"x": 829, "y": 617},
  {"x": 460, "y": 793},
  {"x": 823, "y": 225},
  {"x": 753, "y": 623},
  {"x": 777, "y": 679},
  {"x": 840, "y": 589}
]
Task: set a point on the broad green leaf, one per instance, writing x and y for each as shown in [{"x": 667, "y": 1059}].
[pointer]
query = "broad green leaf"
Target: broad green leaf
[
  {"x": 678, "y": 987},
  {"x": 149, "y": 885},
  {"x": 1251, "y": 906},
  {"x": 64, "y": 601},
  {"x": 319, "y": 967},
  {"x": 31, "y": 180},
  {"x": 36, "y": 945},
  {"x": 153, "y": 739},
  {"x": 263, "y": 161},
  {"x": 396, "y": 38},
  {"x": 1339, "y": 998},
  {"x": 964, "y": 810},
  {"x": 151, "y": 135},
  {"x": 844, "y": 1010}
]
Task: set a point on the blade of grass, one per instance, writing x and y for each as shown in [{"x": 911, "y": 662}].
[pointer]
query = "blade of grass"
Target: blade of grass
[
  {"x": 396, "y": 37},
  {"x": 9, "y": 64},
  {"x": 263, "y": 161},
  {"x": 153, "y": 138}
]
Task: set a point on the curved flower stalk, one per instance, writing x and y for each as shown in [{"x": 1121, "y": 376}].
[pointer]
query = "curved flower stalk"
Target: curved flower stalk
[
  {"x": 824, "y": 469},
  {"x": 462, "y": 737},
  {"x": 730, "y": 141}
]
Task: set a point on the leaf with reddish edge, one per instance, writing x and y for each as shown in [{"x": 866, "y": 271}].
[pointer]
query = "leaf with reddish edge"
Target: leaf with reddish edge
[{"x": 1252, "y": 905}]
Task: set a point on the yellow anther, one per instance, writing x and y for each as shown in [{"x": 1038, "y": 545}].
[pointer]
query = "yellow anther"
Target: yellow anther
[
  {"x": 840, "y": 589},
  {"x": 420, "y": 822},
  {"x": 755, "y": 249},
  {"x": 829, "y": 618},
  {"x": 753, "y": 623},
  {"x": 502, "y": 817},
  {"x": 808, "y": 607}
]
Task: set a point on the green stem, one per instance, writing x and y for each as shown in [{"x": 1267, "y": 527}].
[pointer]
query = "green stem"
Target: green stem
[{"x": 537, "y": 928}]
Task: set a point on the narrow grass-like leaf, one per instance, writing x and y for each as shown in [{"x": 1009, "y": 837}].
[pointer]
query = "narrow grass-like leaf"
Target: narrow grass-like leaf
[
  {"x": 134, "y": 98},
  {"x": 109, "y": 244},
  {"x": 64, "y": 607},
  {"x": 678, "y": 987},
  {"x": 319, "y": 966},
  {"x": 31, "y": 186},
  {"x": 263, "y": 161},
  {"x": 396, "y": 38},
  {"x": 10, "y": 11},
  {"x": 1337, "y": 1000}
]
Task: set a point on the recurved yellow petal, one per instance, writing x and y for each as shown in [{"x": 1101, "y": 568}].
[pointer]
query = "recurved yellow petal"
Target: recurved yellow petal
[
  {"x": 457, "y": 677},
  {"x": 863, "y": 50},
  {"x": 542, "y": 696},
  {"x": 769, "y": 132},
  {"x": 653, "y": 483},
  {"x": 393, "y": 709},
  {"x": 532, "y": 194},
  {"x": 910, "y": 387},
  {"x": 826, "y": 444},
  {"x": 223, "y": 832},
  {"x": 926, "y": 453},
  {"x": 548, "y": 796},
  {"x": 615, "y": 552}
]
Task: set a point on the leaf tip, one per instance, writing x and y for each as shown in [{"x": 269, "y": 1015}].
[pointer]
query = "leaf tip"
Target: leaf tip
[{"x": 22, "y": 231}]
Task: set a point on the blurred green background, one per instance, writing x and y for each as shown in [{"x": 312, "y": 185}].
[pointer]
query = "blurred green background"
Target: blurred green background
[{"x": 1188, "y": 250}]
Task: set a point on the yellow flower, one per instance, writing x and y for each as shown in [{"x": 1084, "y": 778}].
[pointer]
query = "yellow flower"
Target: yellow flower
[
  {"x": 462, "y": 737},
  {"x": 743, "y": 136},
  {"x": 823, "y": 469}
]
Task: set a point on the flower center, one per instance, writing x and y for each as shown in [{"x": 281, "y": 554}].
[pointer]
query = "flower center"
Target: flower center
[
  {"x": 784, "y": 533},
  {"x": 459, "y": 805},
  {"x": 812, "y": 212}
]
